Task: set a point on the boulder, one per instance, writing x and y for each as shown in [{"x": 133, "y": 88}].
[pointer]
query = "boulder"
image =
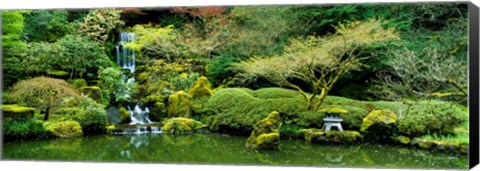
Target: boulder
[
  {"x": 402, "y": 139},
  {"x": 265, "y": 134},
  {"x": 17, "y": 112},
  {"x": 179, "y": 104},
  {"x": 181, "y": 125},
  {"x": 64, "y": 129},
  {"x": 93, "y": 92},
  {"x": 379, "y": 125},
  {"x": 319, "y": 136},
  {"x": 124, "y": 115},
  {"x": 201, "y": 88}
]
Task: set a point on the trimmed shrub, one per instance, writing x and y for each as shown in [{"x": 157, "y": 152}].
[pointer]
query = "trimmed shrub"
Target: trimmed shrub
[
  {"x": 27, "y": 129},
  {"x": 90, "y": 114},
  {"x": 17, "y": 112},
  {"x": 429, "y": 117},
  {"x": 275, "y": 92}
]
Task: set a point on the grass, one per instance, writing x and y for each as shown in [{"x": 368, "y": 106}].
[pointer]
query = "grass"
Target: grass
[{"x": 461, "y": 135}]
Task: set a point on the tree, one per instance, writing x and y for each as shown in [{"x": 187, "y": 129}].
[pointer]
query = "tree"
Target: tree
[
  {"x": 43, "y": 25},
  {"x": 319, "y": 61},
  {"x": 431, "y": 72},
  {"x": 13, "y": 45},
  {"x": 42, "y": 92},
  {"x": 99, "y": 23}
]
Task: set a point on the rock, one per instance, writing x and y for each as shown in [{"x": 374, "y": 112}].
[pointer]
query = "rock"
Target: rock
[
  {"x": 179, "y": 104},
  {"x": 265, "y": 133},
  {"x": 402, "y": 139},
  {"x": 181, "y": 125},
  {"x": 17, "y": 112},
  {"x": 124, "y": 115},
  {"x": 379, "y": 125},
  {"x": 319, "y": 136},
  {"x": 93, "y": 92},
  {"x": 200, "y": 88},
  {"x": 425, "y": 144},
  {"x": 64, "y": 129}
]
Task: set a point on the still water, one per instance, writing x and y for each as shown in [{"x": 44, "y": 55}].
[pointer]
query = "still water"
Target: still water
[{"x": 224, "y": 149}]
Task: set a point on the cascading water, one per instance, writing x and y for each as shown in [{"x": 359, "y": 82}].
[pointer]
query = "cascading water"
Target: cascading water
[
  {"x": 125, "y": 56},
  {"x": 126, "y": 60}
]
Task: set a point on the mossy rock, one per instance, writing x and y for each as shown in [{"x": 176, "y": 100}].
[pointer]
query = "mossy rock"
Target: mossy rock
[
  {"x": 181, "y": 125},
  {"x": 201, "y": 88},
  {"x": 93, "y": 92},
  {"x": 379, "y": 126},
  {"x": 64, "y": 129},
  {"x": 402, "y": 139},
  {"x": 179, "y": 104},
  {"x": 381, "y": 117},
  {"x": 59, "y": 74},
  {"x": 17, "y": 112},
  {"x": 79, "y": 82},
  {"x": 124, "y": 115},
  {"x": 320, "y": 136},
  {"x": 333, "y": 110},
  {"x": 110, "y": 128},
  {"x": 265, "y": 133}
]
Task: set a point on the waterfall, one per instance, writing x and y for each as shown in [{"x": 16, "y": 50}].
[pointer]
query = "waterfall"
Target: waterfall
[
  {"x": 139, "y": 116},
  {"x": 125, "y": 56},
  {"x": 126, "y": 60}
]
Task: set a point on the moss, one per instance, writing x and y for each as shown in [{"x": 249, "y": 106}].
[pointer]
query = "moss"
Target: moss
[
  {"x": 200, "y": 88},
  {"x": 59, "y": 74},
  {"x": 181, "y": 125},
  {"x": 382, "y": 117},
  {"x": 379, "y": 126},
  {"x": 179, "y": 104},
  {"x": 402, "y": 139},
  {"x": 64, "y": 129},
  {"x": 79, "y": 82},
  {"x": 124, "y": 115},
  {"x": 319, "y": 136},
  {"x": 110, "y": 128},
  {"x": 17, "y": 112},
  {"x": 265, "y": 133},
  {"x": 274, "y": 92},
  {"x": 93, "y": 92}
]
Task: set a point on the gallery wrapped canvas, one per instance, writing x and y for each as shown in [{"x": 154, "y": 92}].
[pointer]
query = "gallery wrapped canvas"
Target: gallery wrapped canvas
[{"x": 368, "y": 85}]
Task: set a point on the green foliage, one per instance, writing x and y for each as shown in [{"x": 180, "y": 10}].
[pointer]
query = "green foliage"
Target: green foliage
[
  {"x": 265, "y": 133},
  {"x": 319, "y": 61},
  {"x": 200, "y": 88},
  {"x": 43, "y": 25},
  {"x": 429, "y": 117},
  {"x": 12, "y": 46},
  {"x": 17, "y": 112},
  {"x": 275, "y": 92},
  {"x": 64, "y": 129},
  {"x": 179, "y": 104},
  {"x": 27, "y": 129},
  {"x": 114, "y": 82},
  {"x": 42, "y": 92},
  {"x": 319, "y": 136},
  {"x": 93, "y": 92},
  {"x": 98, "y": 24},
  {"x": 82, "y": 56},
  {"x": 155, "y": 42},
  {"x": 90, "y": 114},
  {"x": 79, "y": 83}
]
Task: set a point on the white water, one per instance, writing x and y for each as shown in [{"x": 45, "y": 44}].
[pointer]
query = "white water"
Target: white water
[
  {"x": 125, "y": 56},
  {"x": 139, "y": 116}
]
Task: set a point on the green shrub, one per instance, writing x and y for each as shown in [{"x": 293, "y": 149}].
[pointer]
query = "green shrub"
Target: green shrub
[
  {"x": 428, "y": 117},
  {"x": 90, "y": 114},
  {"x": 17, "y": 112},
  {"x": 79, "y": 82},
  {"x": 181, "y": 125},
  {"x": 27, "y": 129},
  {"x": 114, "y": 82},
  {"x": 63, "y": 129},
  {"x": 275, "y": 92},
  {"x": 43, "y": 25}
]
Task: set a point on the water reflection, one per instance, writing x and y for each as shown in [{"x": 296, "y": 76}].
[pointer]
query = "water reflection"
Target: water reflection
[{"x": 219, "y": 149}]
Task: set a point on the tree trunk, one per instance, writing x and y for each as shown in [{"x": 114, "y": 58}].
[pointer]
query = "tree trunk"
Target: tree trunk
[{"x": 47, "y": 112}]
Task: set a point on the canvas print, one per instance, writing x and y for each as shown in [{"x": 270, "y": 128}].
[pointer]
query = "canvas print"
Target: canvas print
[{"x": 373, "y": 85}]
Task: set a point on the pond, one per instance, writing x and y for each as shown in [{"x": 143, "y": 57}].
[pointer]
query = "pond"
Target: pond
[{"x": 226, "y": 150}]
